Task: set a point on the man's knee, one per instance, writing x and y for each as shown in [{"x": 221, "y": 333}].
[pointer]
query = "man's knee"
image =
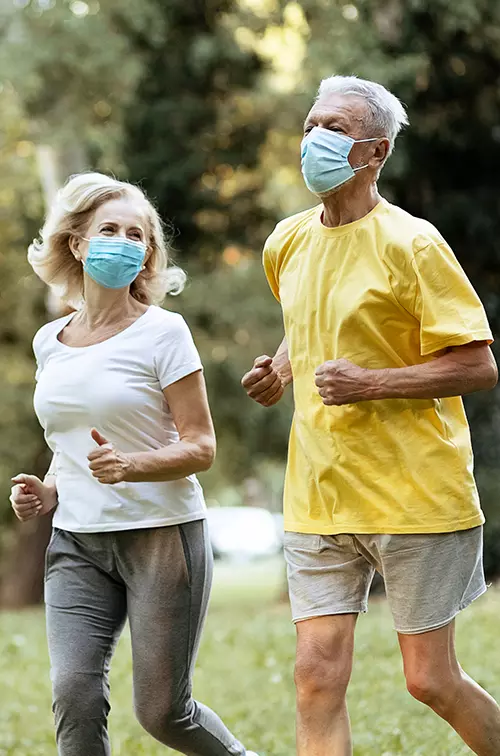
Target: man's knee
[
  {"x": 322, "y": 674},
  {"x": 79, "y": 696},
  {"x": 430, "y": 689}
]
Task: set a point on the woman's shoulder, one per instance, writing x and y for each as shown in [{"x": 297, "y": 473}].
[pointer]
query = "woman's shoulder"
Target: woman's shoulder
[
  {"x": 166, "y": 321},
  {"x": 48, "y": 332}
]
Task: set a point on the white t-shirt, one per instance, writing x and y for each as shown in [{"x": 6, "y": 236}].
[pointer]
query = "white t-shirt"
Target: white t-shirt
[{"x": 116, "y": 387}]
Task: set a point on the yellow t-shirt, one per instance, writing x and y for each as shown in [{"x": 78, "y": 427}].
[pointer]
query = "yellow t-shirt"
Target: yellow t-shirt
[{"x": 384, "y": 292}]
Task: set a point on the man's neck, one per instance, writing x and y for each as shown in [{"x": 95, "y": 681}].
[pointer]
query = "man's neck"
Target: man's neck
[{"x": 349, "y": 204}]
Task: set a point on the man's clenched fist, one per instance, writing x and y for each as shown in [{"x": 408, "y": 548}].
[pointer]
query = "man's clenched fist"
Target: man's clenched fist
[
  {"x": 262, "y": 383},
  {"x": 342, "y": 382}
]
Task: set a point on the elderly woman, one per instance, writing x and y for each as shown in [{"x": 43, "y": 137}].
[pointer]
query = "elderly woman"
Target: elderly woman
[{"x": 122, "y": 400}]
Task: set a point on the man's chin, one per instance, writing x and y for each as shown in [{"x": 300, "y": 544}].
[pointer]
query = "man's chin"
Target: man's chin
[
  {"x": 335, "y": 190},
  {"x": 329, "y": 193}
]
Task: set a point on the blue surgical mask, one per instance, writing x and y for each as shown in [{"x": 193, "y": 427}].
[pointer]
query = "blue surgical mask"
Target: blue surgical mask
[
  {"x": 113, "y": 261},
  {"x": 324, "y": 159}
]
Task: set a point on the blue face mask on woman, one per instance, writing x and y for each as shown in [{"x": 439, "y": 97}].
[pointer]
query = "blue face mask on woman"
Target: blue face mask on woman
[
  {"x": 324, "y": 159},
  {"x": 113, "y": 261}
]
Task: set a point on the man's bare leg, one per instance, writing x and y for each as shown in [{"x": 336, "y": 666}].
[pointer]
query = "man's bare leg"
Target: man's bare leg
[
  {"x": 324, "y": 662},
  {"x": 434, "y": 677}
]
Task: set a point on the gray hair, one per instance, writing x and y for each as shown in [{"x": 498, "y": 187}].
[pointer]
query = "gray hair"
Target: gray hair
[{"x": 387, "y": 113}]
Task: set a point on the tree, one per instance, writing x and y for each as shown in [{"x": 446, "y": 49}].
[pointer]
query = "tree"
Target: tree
[
  {"x": 193, "y": 131},
  {"x": 21, "y": 312},
  {"x": 452, "y": 160},
  {"x": 442, "y": 60},
  {"x": 71, "y": 70}
]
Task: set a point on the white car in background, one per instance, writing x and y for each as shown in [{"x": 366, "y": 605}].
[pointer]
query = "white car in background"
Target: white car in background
[{"x": 243, "y": 533}]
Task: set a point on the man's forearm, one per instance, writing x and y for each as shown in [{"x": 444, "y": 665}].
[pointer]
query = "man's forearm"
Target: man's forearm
[
  {"x": 281, "y": 363},
  {"x": 454, "y": 374}
]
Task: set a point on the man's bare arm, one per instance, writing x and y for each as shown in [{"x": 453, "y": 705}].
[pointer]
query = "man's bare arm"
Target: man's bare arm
[
  {"x": 462, "y": 370},
  {"x": 269, "y": 376},
  {"x": 281, "y": 363}
]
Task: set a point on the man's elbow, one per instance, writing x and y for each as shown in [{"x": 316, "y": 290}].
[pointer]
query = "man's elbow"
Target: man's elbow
[{"x": 488, "y": 377}]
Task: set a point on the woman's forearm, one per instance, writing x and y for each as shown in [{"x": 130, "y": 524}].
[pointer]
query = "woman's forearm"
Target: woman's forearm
[
  {"x": 50, "y": 477},
  {"x": 171, "y": 462},
  {"x": 50, "y": 481}
]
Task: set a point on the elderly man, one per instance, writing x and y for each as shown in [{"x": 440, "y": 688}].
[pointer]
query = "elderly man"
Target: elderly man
[{"x": 384, "y": 333}]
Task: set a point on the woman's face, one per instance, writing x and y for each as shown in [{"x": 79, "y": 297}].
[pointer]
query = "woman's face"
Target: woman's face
[{"x": 119, "y": 217}]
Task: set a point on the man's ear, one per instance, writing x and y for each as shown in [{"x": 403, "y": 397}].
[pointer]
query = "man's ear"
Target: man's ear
[
  {"x": 74, "y": 245},
  {"x": 380, "y": 152}
]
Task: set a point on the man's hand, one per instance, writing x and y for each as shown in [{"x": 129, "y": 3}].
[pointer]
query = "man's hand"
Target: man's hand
[
  {"x": 342, "y": 382},
  {"x": 107, "y": 464},
  {"x": 31, "y": 498},
  {"x": 263, "y": 383}
]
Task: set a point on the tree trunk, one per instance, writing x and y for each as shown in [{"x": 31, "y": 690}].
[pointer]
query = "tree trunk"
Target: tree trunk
[
  {"x": 22, "y": 584},
  {"x": 22, "y": 572}
]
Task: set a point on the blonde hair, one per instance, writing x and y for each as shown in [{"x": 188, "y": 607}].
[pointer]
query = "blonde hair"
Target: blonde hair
[{"x": 75, "y": 205}]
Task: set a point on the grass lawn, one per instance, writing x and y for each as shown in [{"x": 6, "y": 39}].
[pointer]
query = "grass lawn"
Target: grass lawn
[{"x": 245, "y": 673}]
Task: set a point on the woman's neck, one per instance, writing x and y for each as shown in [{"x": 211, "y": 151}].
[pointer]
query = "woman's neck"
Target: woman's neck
[{"x": 103, "y": 307}]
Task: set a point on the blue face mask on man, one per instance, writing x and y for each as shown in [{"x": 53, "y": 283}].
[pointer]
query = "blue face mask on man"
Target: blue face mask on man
[
  {"x": 114, "y": 261},
  {"x": 324, "y": 159}
]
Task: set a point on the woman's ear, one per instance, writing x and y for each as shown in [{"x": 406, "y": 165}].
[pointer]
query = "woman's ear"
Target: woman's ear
[
  {"x": 74, "y": 245},
  {"x": 149, "y": 252}
]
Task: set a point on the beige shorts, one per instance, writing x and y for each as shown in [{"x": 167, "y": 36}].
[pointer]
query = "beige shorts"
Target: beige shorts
[{"x": 429, "y": 578}]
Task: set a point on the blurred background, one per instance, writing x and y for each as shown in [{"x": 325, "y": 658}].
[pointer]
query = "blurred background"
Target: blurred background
[{"x": 202, "y": 103}]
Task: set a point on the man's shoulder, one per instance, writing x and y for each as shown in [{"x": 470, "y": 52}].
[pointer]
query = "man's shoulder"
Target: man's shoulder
[
  {"x": 404, "y": 230},
  {"x": 287, "y": 228}
]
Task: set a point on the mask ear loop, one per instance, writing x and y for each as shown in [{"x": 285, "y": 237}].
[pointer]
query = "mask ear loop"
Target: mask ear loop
[{"x": 357, "y": 141}]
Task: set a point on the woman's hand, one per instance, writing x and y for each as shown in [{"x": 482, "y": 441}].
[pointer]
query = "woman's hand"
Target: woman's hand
[
  {"x": 107, "y": 464},
  {"x": 30, "y": 497}
]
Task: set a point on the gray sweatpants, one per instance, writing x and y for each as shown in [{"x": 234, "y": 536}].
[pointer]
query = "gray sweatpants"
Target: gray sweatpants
[{"x": 159, "y": 579}]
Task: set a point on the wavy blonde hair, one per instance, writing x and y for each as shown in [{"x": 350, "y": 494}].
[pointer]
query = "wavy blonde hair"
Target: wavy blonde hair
[{"x": 71, "y": 214}]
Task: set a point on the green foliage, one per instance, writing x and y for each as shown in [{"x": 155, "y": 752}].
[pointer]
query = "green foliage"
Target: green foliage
[
  {"x": 442, "y": 60},
  {"x": 203, "y": 103},
  {"x": 194, "y": 130},
  {"x": 74, "y": 74},
  {"x": 235, "y": 318},
  {"x": 21, "y": 298},
  {"x": 245, "y": 672}
]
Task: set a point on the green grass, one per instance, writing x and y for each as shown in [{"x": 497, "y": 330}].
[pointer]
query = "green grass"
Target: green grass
[{"x": 245, "y": 673}]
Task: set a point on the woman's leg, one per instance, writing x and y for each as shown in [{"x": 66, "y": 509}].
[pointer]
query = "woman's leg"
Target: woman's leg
[
  {"x": 168, "y": 575},
  {"x": 85, "y": 606}
]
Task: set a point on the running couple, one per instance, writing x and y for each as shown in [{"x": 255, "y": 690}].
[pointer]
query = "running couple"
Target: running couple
[{"x": 384, "y": 333}]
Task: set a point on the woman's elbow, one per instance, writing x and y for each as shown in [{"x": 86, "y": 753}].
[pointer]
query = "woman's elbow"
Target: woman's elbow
[{"x": 206, "y": 454}]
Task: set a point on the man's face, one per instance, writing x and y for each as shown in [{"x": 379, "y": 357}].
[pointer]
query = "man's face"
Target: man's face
[{"x": 347, "y": 115}]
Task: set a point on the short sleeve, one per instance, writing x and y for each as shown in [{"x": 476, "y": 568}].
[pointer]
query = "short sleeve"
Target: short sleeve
[
  {"x": 269, "y": 261},
  {"x": 45, "y": 340},
  {"x": 446, "y": 304},
  {"x": 175, "y": 354},
  {"x": 38, "y": 350}
]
